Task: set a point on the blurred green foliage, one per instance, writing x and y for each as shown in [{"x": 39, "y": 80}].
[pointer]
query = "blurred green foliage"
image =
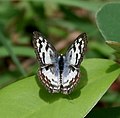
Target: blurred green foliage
[
  {"x": 19, "y": 19},
  {"x": 56, "y": 19}
]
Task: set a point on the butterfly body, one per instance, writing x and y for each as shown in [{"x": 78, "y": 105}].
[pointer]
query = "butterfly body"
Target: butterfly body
[{"x": 57, "y": 72}]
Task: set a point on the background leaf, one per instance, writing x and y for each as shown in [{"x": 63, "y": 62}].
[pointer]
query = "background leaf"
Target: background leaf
[
  {"x": 108, "y": 21},
  {"x": 114, "y": 45}
]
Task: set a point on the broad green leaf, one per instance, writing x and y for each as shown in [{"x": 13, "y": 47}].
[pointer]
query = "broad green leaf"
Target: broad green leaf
[
  {"x": 105, "y": 113},
  {"x": 27, "y": 98},
  {"x": 108, "y": 21}
]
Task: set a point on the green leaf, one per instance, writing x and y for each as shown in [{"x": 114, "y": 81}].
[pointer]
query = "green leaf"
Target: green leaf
[
  {"x": 108, "y": 21},
  {"x": 105, "y": 113},
  {"x": 115, "y": 45},
  {"x": 27, "y": 98}
]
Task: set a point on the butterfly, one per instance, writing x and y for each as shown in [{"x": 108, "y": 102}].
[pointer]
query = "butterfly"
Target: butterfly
[{"x": 58, "y": 72}]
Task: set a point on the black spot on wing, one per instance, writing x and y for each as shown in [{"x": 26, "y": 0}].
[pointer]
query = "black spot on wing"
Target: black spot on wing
[
  {"x": 76, "y": 58},
  {"x": 43, "y": 40},
  {"x": 40, "y": 42},
  {"x": 77, "y": 41},
  {"x": 43, "y": 54},
  {"x": 47, "y": 46},
  {"x": 80, "y": 46},
  {"x": 74, "y": 48},
  {"x": 72, "y": 68},
  {"x": 80, "y": 42}
]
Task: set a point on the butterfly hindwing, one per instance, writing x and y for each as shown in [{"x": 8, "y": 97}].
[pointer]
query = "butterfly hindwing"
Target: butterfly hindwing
[
  {"x": 73, "y": 58},
  {"x": 46, "y": 54}
]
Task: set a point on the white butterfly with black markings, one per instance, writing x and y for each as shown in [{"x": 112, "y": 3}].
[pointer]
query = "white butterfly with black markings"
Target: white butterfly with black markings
[{"x": 57, "y": 72}]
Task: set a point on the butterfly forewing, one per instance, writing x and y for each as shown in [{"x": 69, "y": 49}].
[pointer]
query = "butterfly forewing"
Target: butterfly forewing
[
  {"x": 76, "y": 51},
  {"x": 73, "y": 58},
  {"x": 46, "y": 54}
]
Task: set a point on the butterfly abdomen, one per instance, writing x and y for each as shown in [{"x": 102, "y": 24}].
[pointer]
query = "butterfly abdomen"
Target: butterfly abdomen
[{"x": 61, "y": 65}]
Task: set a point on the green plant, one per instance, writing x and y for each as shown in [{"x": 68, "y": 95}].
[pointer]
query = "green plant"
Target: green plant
[{"x": 27, "y": 97}]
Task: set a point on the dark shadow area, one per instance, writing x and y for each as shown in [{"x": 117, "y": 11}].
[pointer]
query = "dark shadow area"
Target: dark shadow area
[
  {"x": 83, "y": 81},
  {"x": 112, "y": 67},
  {"x": 84, "y": 77},
  {"x": 52, "y": 97},
  {"x": 44, "y": 94},
  {"x": 104, "y": 113}
]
